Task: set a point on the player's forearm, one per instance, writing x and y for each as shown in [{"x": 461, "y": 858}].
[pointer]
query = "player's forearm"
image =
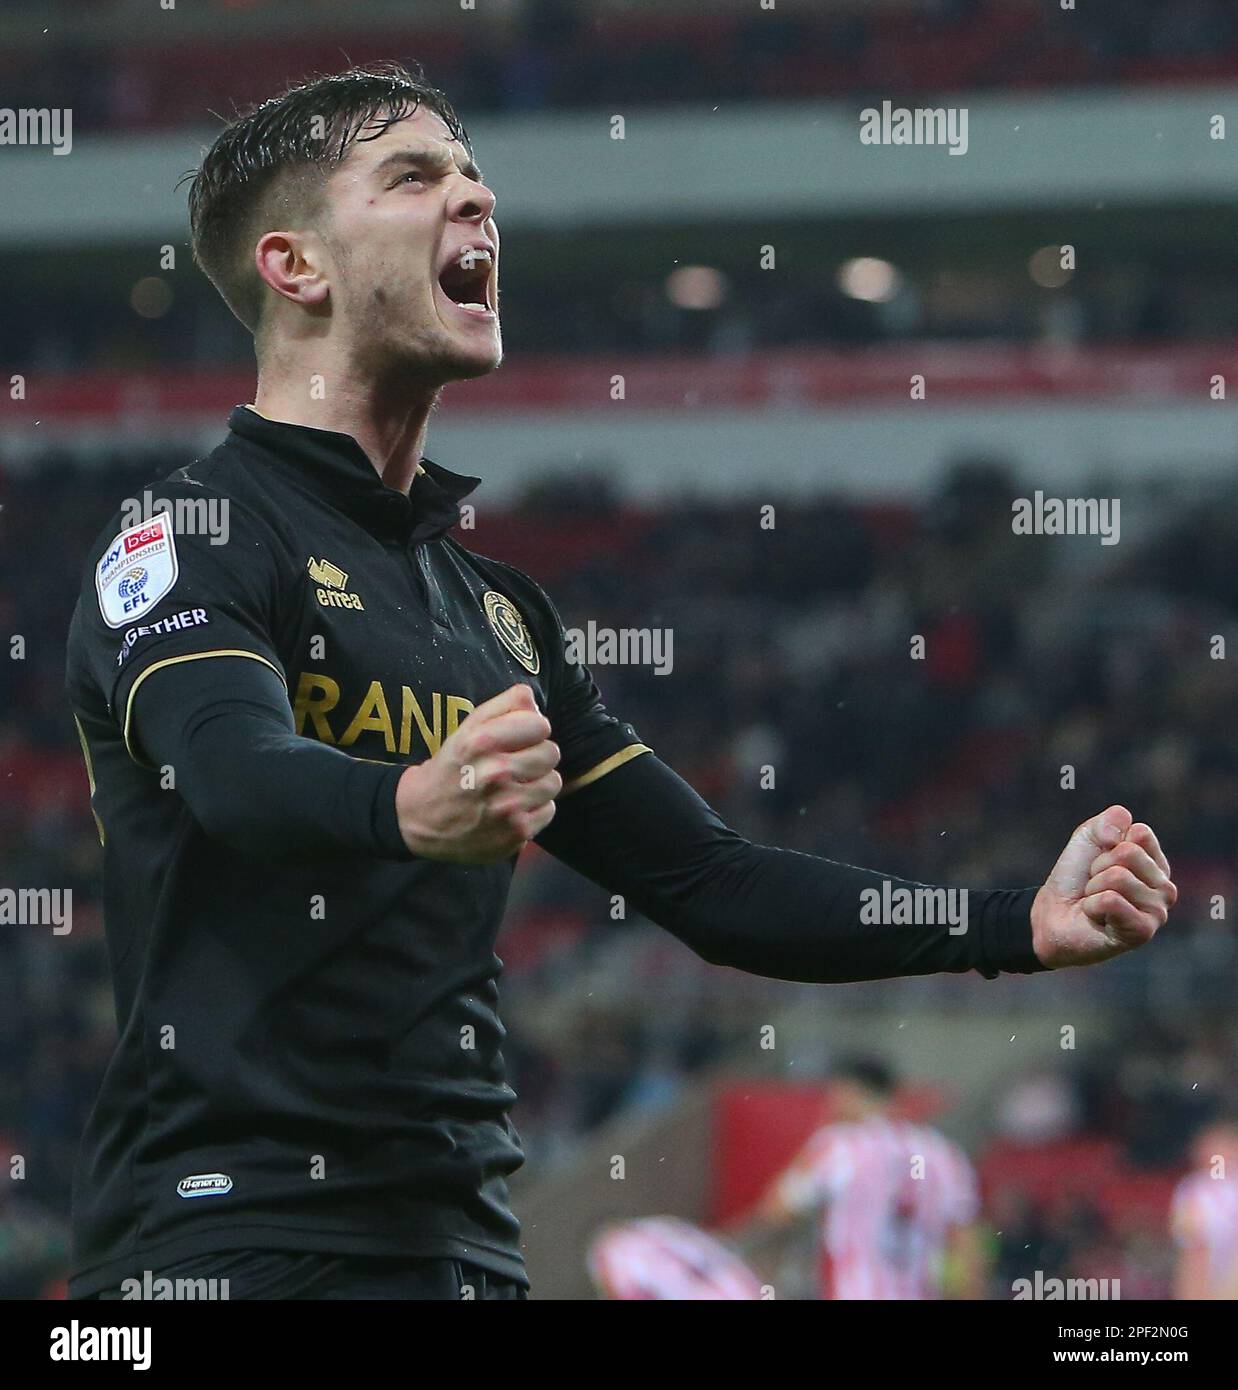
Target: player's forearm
[
  {"x": 277, "y": 796},
  {"x": 251, "y": 782},
  {"x": 646, "y": 834},
  {"x": 798, "y": 917},
  {"x": 794, "y": 916}
]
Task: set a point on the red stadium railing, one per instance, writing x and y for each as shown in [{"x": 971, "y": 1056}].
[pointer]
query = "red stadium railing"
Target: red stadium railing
[{"x": 775, "y": 378}]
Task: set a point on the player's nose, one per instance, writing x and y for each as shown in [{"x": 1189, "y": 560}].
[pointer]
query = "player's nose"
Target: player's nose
[{"x": 471, "y": 202}]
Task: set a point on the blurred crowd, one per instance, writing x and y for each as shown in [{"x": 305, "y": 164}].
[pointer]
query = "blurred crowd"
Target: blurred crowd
[
  {"x": 1129, "y": 297},
  {"x": 554, "y": 54},
  {"x": 1055, "y": 682},
  {"x": 1057, "y": 677},
  {"x": 1123, "y": 1122}
]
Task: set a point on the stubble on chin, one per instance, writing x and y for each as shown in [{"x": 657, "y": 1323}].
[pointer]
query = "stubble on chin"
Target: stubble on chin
[{"x": 426, "y": 353}]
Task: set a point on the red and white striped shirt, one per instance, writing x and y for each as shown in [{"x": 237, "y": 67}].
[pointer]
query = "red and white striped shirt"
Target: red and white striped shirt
[
  {"x": 661, "y": 1257},
  {"x": 1205, "y": 1211},
  {"x": 892, "y": 1190}
]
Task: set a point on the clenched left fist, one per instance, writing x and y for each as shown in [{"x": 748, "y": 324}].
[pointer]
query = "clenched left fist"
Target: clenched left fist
[{"x": 1109, "y": 892}]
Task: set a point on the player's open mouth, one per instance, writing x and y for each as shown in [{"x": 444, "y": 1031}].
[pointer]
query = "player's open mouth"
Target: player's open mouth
[{"x": 467, "y": 281}]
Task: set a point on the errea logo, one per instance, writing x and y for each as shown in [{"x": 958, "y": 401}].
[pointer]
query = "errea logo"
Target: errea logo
[
  {"x": 333, "y": 582},
  {"x": 204, "y": 1185}
]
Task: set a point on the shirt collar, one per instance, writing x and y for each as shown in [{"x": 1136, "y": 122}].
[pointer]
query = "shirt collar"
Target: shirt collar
[{"x": 337, "y": 463}]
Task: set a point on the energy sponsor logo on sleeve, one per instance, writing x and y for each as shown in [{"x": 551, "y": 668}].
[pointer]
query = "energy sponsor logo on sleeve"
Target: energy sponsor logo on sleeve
[
  {"x": 138, "y": 568},
  {"x": 204, "y": 1185},
  {"x": 174, "y": 622}
]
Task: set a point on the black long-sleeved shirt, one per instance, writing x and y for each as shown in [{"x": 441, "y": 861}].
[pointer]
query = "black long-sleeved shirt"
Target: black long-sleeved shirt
[
  {"x": 640, "y": 831},
  {"x": 310, "y": 1050}
]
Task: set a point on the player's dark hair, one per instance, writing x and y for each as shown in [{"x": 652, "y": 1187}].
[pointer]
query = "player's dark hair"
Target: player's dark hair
[
  {"x": 870, "y": 1072},
  {"x": 269, "y": 165}
]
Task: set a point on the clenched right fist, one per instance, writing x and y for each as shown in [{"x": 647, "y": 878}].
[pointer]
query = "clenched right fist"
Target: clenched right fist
[{"x": 488, "y": 790}]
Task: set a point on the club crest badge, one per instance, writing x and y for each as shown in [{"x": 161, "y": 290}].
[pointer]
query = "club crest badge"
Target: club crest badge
[{"x": 511, "y": 630}]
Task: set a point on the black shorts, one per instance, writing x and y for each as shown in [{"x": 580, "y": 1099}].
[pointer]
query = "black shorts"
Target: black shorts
[{"x": 289, "y": 1274}]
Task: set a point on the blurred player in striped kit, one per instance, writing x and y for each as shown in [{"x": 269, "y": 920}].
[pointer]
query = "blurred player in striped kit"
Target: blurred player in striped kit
[
  {"x": 662, "y": 1257},
  {"x": 898, "y": 1201},
  {"x": 1204, "y": 1217}
]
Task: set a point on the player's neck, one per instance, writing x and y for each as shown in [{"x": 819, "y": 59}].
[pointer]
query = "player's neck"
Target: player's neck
[{"x": 389, "y": 426}]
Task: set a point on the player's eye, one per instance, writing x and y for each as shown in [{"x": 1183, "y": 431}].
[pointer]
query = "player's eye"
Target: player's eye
[{"x": 410, "y": 174}]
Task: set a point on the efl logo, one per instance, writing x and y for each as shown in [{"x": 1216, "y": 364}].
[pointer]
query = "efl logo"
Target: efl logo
[
  {"x": 137, "y": 570},
  {"x": 205, "y": 1185}
]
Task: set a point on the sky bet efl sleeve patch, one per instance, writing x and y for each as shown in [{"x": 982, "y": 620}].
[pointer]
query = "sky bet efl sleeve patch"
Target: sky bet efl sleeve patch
[{"x": 138, "y": 568}]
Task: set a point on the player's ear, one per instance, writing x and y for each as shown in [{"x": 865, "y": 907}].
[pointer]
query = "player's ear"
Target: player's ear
[{"x": 293, "y": 264}]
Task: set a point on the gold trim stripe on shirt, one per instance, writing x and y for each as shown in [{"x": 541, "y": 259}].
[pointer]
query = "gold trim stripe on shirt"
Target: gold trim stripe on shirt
[
  {"x": 90, "y": 777},
  {"x": 176, "y": 661},
  {"x": 606, "y": 765}
]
